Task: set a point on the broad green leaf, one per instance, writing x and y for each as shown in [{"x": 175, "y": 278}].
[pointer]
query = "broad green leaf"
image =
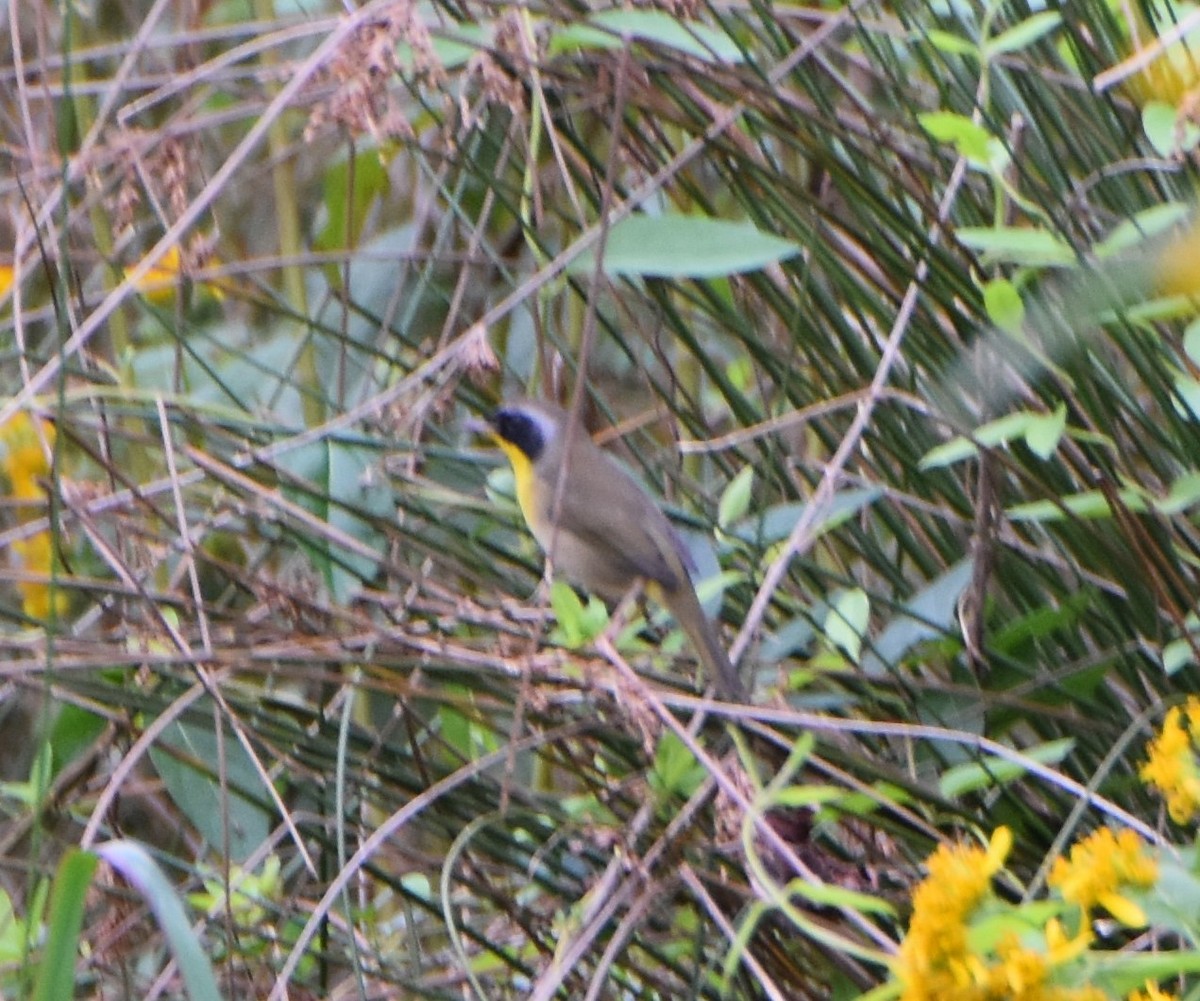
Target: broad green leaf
[
  {"x": 735, "y": 499},
  {"x": 1187, "y": 403},
  {"x": 188, "y": 773},
  {"x": 676, "y": 773},
  {"x": 604, "y": 30},
  {"x": 1022, "y": 35},
  {"x": 1142, "y": 226},
  {"x": 1120, "y": 973},
  {"x": 1191, "y": 341},
  {"x": 1177, "y": 655},
  {"x": 1028, "y": 247},
  {"x": 968, "y": 138},
  {"x": 1173, "y": 902},
  {"x": 360, "y": 500},
  {"x": 1004, "y": 305},
  {"x": 927, "y": 616},
  {"x": 68, "y": 900},
  {"x": 1162, "y": 126},
  {"x": 846, "y": 624},
  {"x": 13, "y": 935},
  {"x": 74, "y": 730},
  {"x": 578, "y": 624},
  {"x": 995, "y": 771},
  {"x": 134, "y": 863},
  {"x": 777, "y": 522},
  {"x": 1045, "y": 431},
  {"x": 351, "y": 185},
  {"x": 678, "y": 246}
]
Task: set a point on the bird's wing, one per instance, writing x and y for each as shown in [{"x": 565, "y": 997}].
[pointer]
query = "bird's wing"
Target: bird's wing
[{"x": 645, "y": 542}]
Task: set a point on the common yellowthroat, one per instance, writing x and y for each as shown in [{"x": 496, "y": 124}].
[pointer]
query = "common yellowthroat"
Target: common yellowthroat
[{"x": 599, "y": 529}]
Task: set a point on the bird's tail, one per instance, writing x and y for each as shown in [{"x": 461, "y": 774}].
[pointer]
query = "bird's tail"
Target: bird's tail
[{"x": 686, "y": 608}]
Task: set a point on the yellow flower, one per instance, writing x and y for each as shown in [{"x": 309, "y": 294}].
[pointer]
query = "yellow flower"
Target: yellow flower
[
  {"x": 23, "y": 457},
  {"x": 35, "y": 556},
  {"x": 1151, "y": 993},
  {"x": 933, "y": 961},
  {"x": 1172, "y": 766},
  {"x": 161, "y": 282},
  {"x": 1059, "y": 948},
  {"x": 1099, "y": 867},
  {"x": 1179, "y": 265},
  {"x": 25, "y": 463},
  {"x": 7, "y": 277}
]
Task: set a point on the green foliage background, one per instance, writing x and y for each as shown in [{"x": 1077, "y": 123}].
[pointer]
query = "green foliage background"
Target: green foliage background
[{"x": 787, "y": 253}]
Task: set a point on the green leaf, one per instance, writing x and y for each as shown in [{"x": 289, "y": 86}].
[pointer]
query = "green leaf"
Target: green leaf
[
  {"x": 846, "y": 624},
  {"x": 776, "y": 522},
  {"x": 32, "y": 792},
  {"x": 678, "y": 246},
  {"x": 605, "y": 30},
  {"x": 995, "y": 771},
  {"x": 351, "y": 185},
  {"x": 998, "y": 432},
  {"x": 1191, "y": 341},
  {"x": 735, "y": 499},
  {"x": 1004, "y": 305},
  {"x": 955, "y": 450},
  {"x": 453, "y": 46},
  {"x": 1027, "y": 247},
  {"x": 187, "y": 773},
  {"x": 68, "y": 900},
  {"x": 1183, "y": 494},
  {"x": 954, "y": 45},
  {"x": 1187, "y": 402},
  {"x": 1089, "y": 504},
  {"x": 1045, "y": 431},
  {"x": 1022, "y": 35},
  {"x": 1173, "y": 903},
  {"x": 139, "y": 870},
  {"x": 1161, "y": 123},
  {"x": 1120, "y": 973},
  {"x": 676, "y": 773},
  {"x": 831, "y": 895},
  {"x": 74, "y": 731},
  {"x": 360, "y": 500},
  {"x": 927, "y": 616},
  {"x": 578, "y": 624},
  {"x": 968, "y": 138},
  {"x": 14, "y": 932},
  {"x": 1177, "y": 655},
  {"x": 1142, "y": 227}
]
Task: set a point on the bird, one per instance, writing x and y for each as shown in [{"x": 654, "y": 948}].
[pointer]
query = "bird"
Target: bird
[{"x": 598, "y": 528}]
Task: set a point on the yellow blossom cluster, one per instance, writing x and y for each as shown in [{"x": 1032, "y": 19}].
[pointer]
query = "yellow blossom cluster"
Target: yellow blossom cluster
[
  {"x": 935, "y": 961},
  {"x": 1099, "y": 867},
  {"x": 1151, "y": 993},
  {"x": 25, "y": 464},
  {"x": 1172, "y": 766},
  {"x": 938, "y": 961},
  {"x": 163, "y": 280}
]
